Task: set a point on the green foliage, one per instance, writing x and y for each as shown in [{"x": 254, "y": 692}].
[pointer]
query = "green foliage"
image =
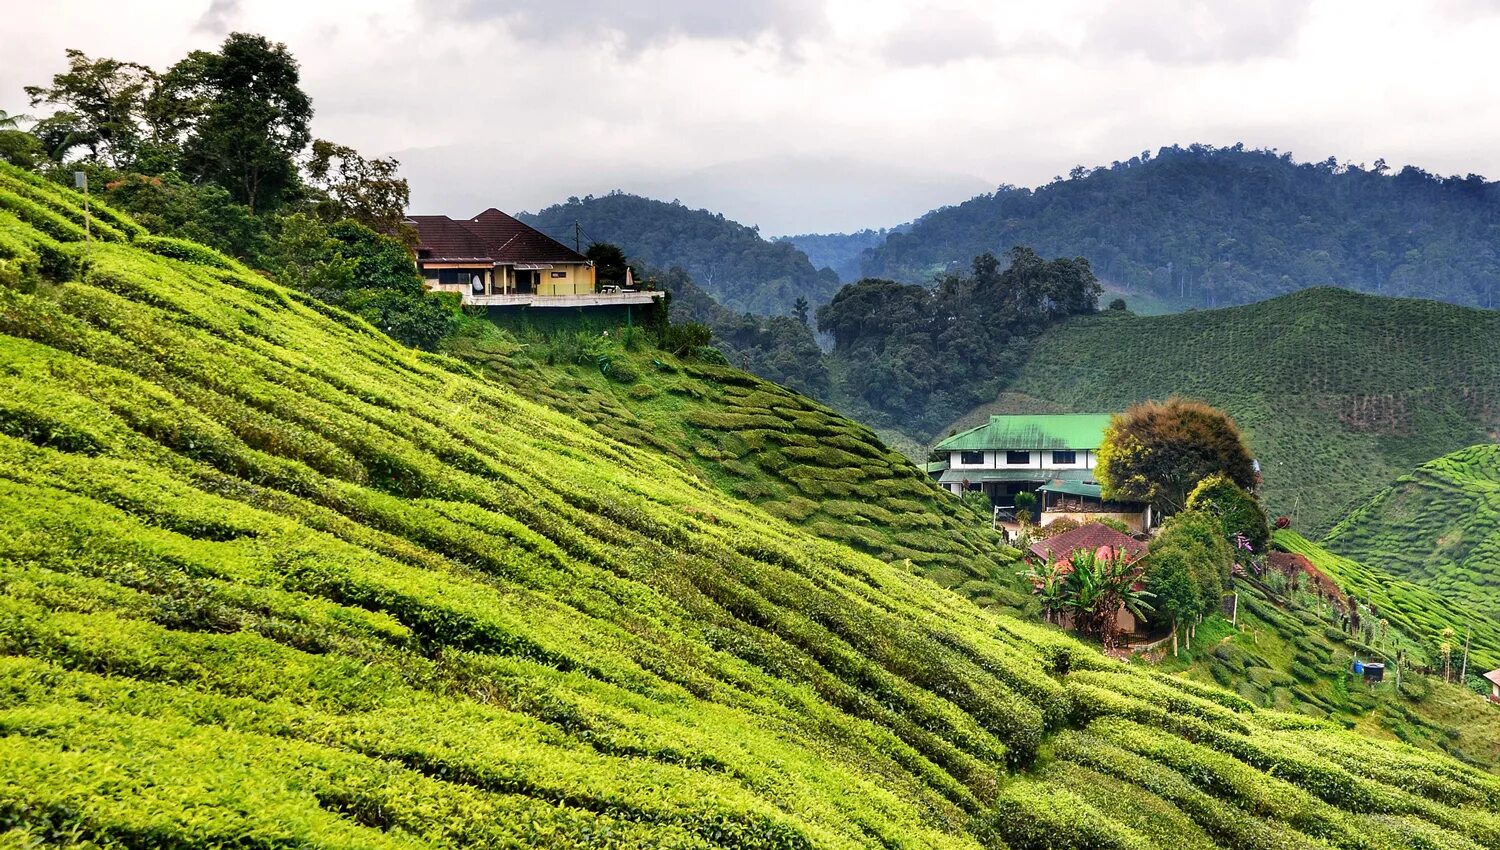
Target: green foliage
[
  {"x": 1321, "y": 380},
  {"x": 683, "y": 338},
  {"x": 1196, "y": 538},
  {"x": 743, "y": 271},
  {"x": 1157, "y": 225},
  {"x": 778, "y": 348},
  {"x": 1238, "y": 511},
  {"x": 100, "y": 106},
  {"x": 268, "y": 578},
  {"x": 1159, "y": 452},
  {"x": 242, "y": 118},
  {"x": 915, "y": 358},
  {"x": 1025, "y": 507}
]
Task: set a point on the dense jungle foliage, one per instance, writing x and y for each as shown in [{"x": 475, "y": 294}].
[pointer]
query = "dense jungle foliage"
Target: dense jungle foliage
[
  {"x": 915, "y": 357},
  {"x": 838, "y": 251},
  {"x": 1212, "y": 227},
  {"x": 741, "y": 270},
  {"x": 268, "y": 578}
]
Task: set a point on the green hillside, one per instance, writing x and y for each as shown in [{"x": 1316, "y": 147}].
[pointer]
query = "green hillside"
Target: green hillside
[
  {"x": 268, "y": 579},
  {"x": 765, "y": 444},
  {"x": 1339, "y": 393},
  {"x": 1438, "y": 526},
  {"x": 1201, "y": 226},
  {"x": 1288, "y": 651},
  {"x": 1413, "y": 608},
  {"x": 744, "y": 271}
]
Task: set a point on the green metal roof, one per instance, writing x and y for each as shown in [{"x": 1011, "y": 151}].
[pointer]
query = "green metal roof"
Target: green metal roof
[
  {"x": 1080, "y": 431},
  {"x": 1074, "y": 488},
  {"x": 978, "y": 476},
  {"x": 936, "y": 466}
]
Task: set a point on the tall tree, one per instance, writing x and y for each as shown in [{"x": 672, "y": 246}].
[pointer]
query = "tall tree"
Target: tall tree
[
  {"x": 100, "y": 105},
  {"x": 244, "y": 116},
  {"x": 368, "y": 191},
  {"x": 609, "y": 262},
  {"x": 1158, "y": 452}
]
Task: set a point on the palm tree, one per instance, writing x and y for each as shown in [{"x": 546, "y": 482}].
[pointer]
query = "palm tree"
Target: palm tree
[
  {"x": 1100, "y": 585},
  {"x": 11, "y": 122},
  {"x": 1049, "y": 581}
]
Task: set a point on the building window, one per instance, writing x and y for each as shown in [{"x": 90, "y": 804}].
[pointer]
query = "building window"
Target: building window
[
  {"x": 1017, "y": 458},
  {"x": 559, "y": 274},
  {"x": 1065, "y": 457},
  {"x": 971, "y": 458},
  {"x": 975, "y": 487},
  {"x": 458, "y": 277}
]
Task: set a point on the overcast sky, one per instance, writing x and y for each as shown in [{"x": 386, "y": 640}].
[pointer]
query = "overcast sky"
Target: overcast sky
[{"x": 799, "y": 117}]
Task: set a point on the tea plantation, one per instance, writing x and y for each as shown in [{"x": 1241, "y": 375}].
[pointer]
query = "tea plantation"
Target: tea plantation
[
  {"x": 1287, "y": 651},
  {"x": 269, "y": 580},
  {"x": 763, "y": 443},
  {"x": 1339, "y": 392},
  {"x": 1438, "y": 527}
]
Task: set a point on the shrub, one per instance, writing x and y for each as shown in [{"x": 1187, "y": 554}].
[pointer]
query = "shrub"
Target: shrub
[{"x": 684, "y": 339}]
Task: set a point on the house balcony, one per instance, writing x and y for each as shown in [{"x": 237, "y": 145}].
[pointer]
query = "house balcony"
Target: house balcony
[{"x": 590, "y": 299}]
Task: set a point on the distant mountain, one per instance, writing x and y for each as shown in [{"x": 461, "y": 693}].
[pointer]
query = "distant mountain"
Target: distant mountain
[
  {"x": 743, "y": 271},
  {"x": 1438, "y": 526},
  {"x": 841, "y": 252},
  {"x": 1210, "y": 227},
  {"x": 1339, "y": 393}
]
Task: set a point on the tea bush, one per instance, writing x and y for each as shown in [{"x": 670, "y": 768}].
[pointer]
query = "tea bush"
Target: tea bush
[{"x": 270, "y": 579}]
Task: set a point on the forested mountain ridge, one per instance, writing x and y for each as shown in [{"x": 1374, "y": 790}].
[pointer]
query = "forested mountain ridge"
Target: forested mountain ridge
[
  {"x": 841, "y": 252},
  {"x": 745, "y": 272},
  {"x": 269, "y": 578},
  {"x": 1339, "y": 393},
  {"x": 1208, "y": 227}
]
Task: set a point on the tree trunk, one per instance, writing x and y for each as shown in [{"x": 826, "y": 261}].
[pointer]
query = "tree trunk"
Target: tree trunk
[{"x": 1174, "y": 639}]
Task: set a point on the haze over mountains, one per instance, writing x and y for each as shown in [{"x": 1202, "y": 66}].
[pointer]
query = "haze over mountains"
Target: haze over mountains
[{"x": 1185, "y": 227}]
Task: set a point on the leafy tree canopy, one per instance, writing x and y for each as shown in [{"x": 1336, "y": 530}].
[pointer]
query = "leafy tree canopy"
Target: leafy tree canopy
[
  {"x": 100, "y": 105},
  {"x": 353, "y": 187},
  {"x": 1158, "y": 452},
  {"x": 243, "y": 116},
  {"x": 919, "y": 356},
  {"x": 1239, "y": 512}
]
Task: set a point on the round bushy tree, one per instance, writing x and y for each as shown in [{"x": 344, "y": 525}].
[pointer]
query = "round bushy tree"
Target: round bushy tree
[{"x": 1158, "y": 452}]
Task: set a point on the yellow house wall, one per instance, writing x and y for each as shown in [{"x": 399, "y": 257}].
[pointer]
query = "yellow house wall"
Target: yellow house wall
[{"x": 577, "y": 279}]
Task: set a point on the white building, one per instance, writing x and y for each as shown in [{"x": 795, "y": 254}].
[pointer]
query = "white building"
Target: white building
[{"x": 1052, "y": 456}]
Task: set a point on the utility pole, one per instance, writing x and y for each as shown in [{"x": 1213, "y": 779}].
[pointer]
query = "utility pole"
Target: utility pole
[
  {"x": 577, "y": 236},
  {"x": 1464, "y": 675}
]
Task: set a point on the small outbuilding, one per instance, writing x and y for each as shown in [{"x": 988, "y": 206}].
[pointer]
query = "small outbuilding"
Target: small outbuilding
[{"x": 1493, "y": 677}]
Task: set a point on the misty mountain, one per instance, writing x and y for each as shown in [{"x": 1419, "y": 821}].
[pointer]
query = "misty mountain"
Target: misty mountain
[
  {"x": 1203, "y": 226},
  {"x": 742, "y": 270},
  {"x": 842, "y": 252}
]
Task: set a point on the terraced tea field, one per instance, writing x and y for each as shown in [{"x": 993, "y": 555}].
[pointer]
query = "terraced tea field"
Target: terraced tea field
[
  {"x": 268, "y": 579},
  {"x": 1438, "y": 527},
  {"x": 774, "y": 447},
  {"x": 1339, "y": 392}
]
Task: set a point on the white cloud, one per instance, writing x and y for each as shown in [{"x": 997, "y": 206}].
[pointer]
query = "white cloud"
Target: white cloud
[{"x": 868, "y": 108}]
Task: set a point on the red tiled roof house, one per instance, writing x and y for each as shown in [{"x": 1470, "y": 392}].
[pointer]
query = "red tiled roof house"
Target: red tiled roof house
[
  {"x": 497, "y": 260},
  {"x": 1101, "y": 540}
]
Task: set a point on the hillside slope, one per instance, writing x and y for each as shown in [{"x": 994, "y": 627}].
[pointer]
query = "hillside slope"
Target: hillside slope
[
  {"x": 1210, "y": 227},
  {"x": 1339, "y": 393},
  {"x": 1438, "y": 526},
  {"x": 269, "y": 580},
  {"x": 768, "y": 445},
  {"x": 739, "y": 268}
]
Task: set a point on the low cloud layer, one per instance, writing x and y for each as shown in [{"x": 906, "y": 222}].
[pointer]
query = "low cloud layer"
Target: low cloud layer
[{"x": 841, "y": 114}]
